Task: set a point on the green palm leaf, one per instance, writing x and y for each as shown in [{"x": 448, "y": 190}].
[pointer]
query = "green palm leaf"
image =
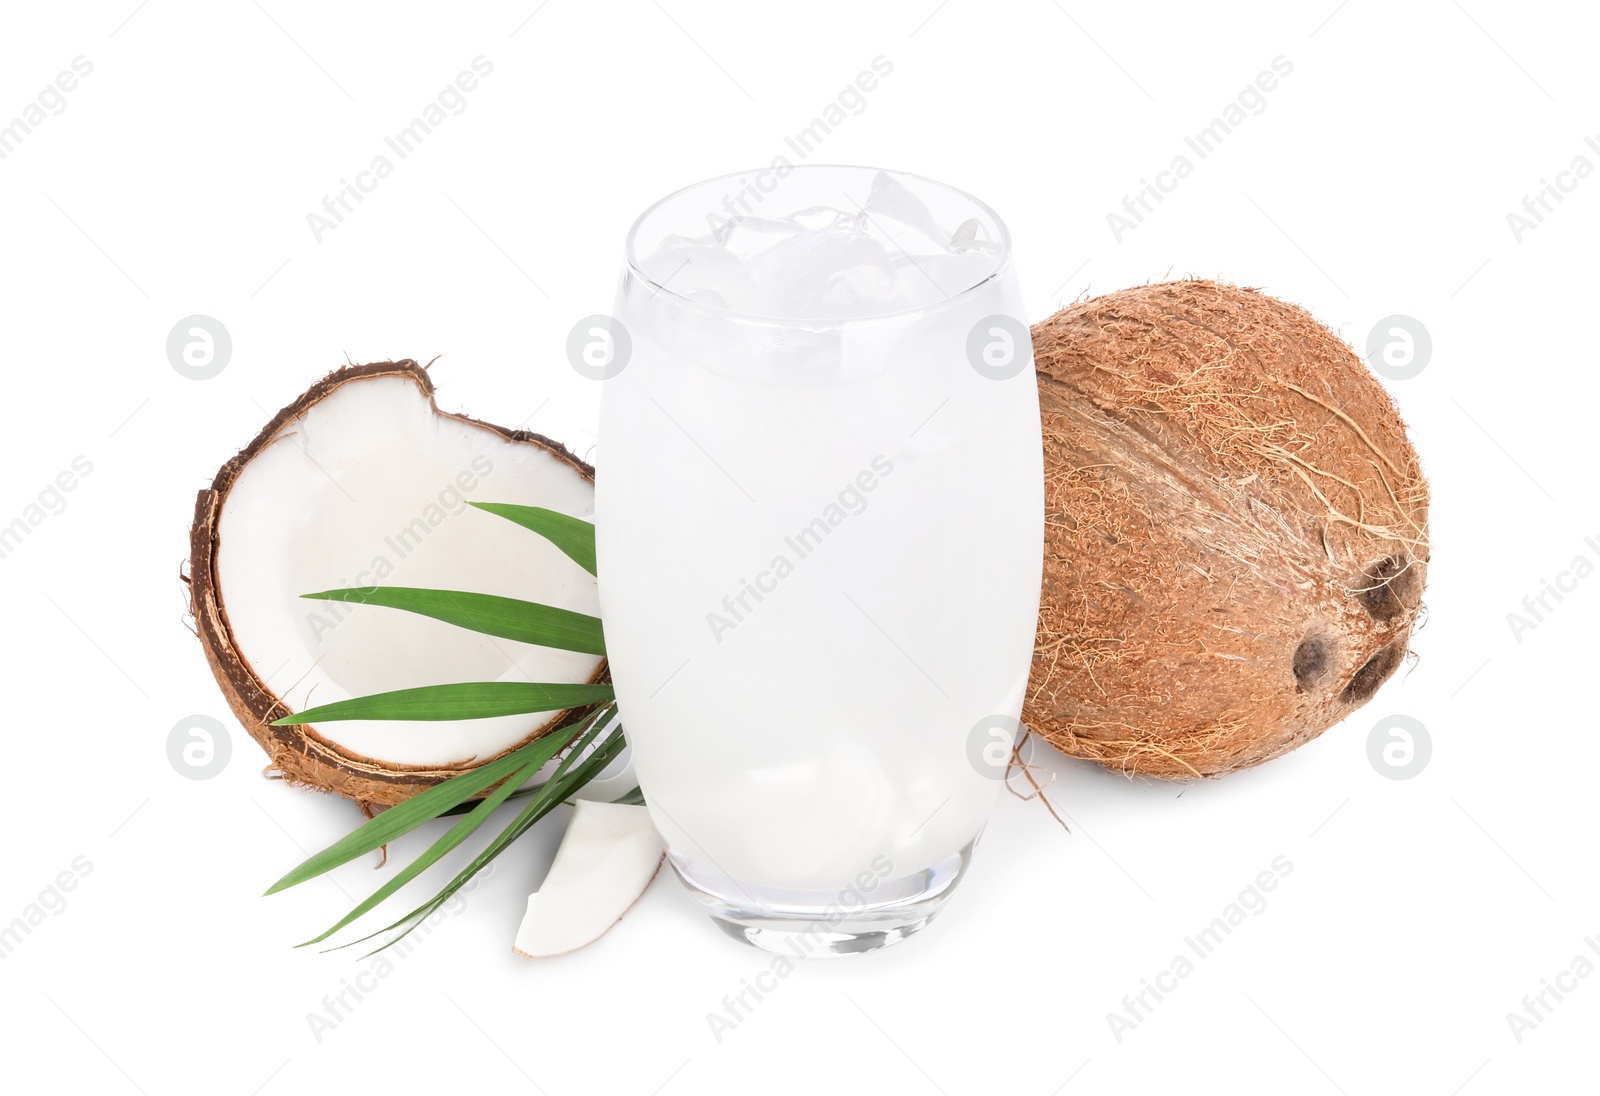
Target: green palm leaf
[
  {"x": 508, "y": 618},
  {"x": 427, "y": 805},
  {"x": 574, "y": 536},
  {"x": 453, "y": 837},
  {"x": 568, "y": 778},
  {"x": 467, "y": 700}
]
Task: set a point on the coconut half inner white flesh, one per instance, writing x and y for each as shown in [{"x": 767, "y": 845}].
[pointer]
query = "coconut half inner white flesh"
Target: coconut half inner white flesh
[
  {"x": 608, "y": 857},
  {"x": 370, "y": 487}
]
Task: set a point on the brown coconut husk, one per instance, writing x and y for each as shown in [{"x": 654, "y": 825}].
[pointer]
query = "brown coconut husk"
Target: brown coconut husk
[
  {"x": 1236, "y": 530},
  {"x": 298, "y": 753}
]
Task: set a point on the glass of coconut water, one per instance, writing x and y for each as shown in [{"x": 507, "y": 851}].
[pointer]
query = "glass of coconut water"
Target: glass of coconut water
[{"x": 820, "y": 523}]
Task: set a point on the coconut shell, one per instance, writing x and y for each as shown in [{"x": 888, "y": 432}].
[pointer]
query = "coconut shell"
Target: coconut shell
[
  {"x": 298, "y": 753},
  {"x": 1236, "y": 530}
]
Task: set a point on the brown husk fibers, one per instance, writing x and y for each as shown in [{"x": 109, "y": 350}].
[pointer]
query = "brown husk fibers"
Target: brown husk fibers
[
  {"x": 298, "y": 753},
  {"x": 1236, "y": 530}
]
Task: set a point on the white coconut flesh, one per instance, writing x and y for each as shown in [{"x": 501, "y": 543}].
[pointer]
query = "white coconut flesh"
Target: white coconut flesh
[
  {"x": 370, "y": 487},
  {"x": 608, "y": 857}
]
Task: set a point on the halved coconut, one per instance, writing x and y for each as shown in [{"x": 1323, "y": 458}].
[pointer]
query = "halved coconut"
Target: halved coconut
[{"x": 363, "y": 481}]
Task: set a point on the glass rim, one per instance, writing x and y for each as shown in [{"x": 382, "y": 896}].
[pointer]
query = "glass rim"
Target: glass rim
[{"x": 1001, "y": 263}]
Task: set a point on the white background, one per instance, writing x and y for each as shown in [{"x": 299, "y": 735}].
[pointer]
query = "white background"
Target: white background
[{"x": 1419, "y": 912}]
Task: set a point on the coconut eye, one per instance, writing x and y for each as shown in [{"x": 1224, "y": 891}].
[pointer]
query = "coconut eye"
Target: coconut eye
[
  {"x": 1374, "y": 672},
  {"x": 1388, "y": 588},
  {"x": 1311, "y": 661}
]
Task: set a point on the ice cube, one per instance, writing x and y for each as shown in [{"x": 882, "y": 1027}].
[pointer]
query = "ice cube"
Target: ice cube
[
  {"x": 815, "y": 218},
  {"x": 971, "y": 237},
  {"x": 858, "y": 289},
  {"x": 841, "y": 810},
  {"x": 824, "y": 272},
  {"x": 687, "y": 268},
  {"x": 669, "y": 242},
  {"x": 708, "y": 297},
  {"x": 902, "y": 219},
  {"x": 752, "y": 235},
  {"x": 885, "y": 254},
  {"x": 926, "y": 279}
]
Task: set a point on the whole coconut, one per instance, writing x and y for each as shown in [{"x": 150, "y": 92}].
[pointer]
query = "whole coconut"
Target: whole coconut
[{"x": 1236, "y": 530}]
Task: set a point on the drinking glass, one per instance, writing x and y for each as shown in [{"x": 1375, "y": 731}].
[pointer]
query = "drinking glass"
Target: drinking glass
[{"x": 819, "y": 542}]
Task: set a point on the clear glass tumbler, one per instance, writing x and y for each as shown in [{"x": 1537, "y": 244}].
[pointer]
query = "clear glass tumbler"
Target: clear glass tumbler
[{"x": 820, "y": 531}]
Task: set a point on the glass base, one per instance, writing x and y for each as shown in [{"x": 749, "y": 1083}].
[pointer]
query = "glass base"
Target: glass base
[{"x": 806, "y": 924}]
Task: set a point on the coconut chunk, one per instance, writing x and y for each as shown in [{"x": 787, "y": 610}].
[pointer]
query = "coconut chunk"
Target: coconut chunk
[{"x": 608, "y": 857}]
